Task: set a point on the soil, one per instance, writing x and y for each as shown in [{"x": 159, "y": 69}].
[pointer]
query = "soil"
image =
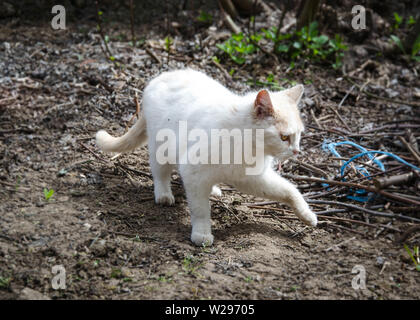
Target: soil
[{"x": 101, "y": 223}]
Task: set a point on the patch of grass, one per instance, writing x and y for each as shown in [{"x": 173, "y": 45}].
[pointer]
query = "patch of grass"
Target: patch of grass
[
  {"x": 116, "y": 273},
  {"x": 205, "y": 17},
  {"x": 18, "y": 180},
  {"x": 150, "y": 288},
  {"x": 268, "y": 82},
  {"x": 415, "y": 51},
  {"x": 165, "y": 278},
  {"x": 294, "y": 288},
  {"x": 191, "y": 264},
  {"x": 5, "y": 282},
  {"x": 414, "y": 255}
]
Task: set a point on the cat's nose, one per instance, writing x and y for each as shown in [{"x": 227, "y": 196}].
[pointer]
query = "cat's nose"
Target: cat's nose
[{"x": 295, "y": 151}]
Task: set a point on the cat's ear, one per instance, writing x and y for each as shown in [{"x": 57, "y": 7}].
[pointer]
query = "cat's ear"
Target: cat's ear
[
  {"x": 295, "y": 93},
  {"x": 262, "y": 106}
]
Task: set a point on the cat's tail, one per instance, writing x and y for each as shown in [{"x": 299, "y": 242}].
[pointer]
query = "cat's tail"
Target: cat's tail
[{"x": 135, "y": 137}]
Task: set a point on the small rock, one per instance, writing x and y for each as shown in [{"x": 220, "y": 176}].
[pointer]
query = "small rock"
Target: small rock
[
  {"x": 30, "y": 294},
  {"x": 93, "y": 178},
  {"x": 39, "y": 74},
  {"x": 361, "y": 51},
  {"x": 391, "y": 93},
  {"x": 99, "y": 248},
  {"x": 40, "y": 204},
  {"x": 309, "y": 102},
  {"x": 394, "y": 82},
  {"x": 380, "y": 261}
]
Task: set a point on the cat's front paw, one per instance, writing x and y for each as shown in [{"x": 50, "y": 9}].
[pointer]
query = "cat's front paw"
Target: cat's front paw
[
  {"x": 165, "y": 199},
  {"x": 201, "y": 239},
  {"x": 309, "y": 218}
]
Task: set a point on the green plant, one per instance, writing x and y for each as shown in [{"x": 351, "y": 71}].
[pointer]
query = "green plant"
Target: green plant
[
  {"x": 238, "y": 46},
  {"x": 191, "y": 264},
  {"x": 216, "y": 59},
  {"x": 269, "y": 82},
  {"x": 415, "y": 50},
  {"x": 116, "y": 273},
  {"x": 397, "y": 20},
  {"x": 411, "y": 21},
  {"x": 168, "y": 43},
  {"x": 136, "y": 238},
  {"x": 205, "y": 17},
  {"x": 165, "y": 278},
  {"x": 398, "y": 42},
  {"x": 308, "y": 44},
  {"x": 48, "y": 194},
  {"x": 5, "y": 282},
  {"x": 18, "y": 180},
  {"x": 414, "y": 255}
]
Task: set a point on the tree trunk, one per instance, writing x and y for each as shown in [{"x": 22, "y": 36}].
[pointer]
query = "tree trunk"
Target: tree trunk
[
  {"x": 410, "y": 39},
  {"x": 308, "y": 13},
  {"x": 229, "y": 7}
]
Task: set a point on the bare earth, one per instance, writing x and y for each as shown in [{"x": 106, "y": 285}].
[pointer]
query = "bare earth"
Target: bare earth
[{"x": 102, "y": 224}]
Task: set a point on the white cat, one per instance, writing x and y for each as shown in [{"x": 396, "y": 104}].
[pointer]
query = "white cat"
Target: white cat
[{"x": 188, "y": 95}]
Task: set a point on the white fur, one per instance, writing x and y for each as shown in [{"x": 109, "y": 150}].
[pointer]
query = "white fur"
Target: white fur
[{"x": 206, "y": 104}]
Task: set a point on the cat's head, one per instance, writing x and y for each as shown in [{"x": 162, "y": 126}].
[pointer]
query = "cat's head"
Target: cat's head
[{"x": 278, "y": 113}]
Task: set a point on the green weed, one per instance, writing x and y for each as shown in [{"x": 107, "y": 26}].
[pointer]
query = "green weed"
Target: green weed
[
  {"x": 414, "y": 255},
  {"x": 306, "y": 44},
  {"x": 48, "y": 194}
]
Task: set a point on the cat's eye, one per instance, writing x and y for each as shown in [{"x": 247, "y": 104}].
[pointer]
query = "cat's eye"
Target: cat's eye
[{"x": 284, "y": 138}]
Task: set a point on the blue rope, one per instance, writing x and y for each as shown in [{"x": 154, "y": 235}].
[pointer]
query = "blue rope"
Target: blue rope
[
  {"x": 380, "y": 152},
  {"x": 330, "y": 146}
]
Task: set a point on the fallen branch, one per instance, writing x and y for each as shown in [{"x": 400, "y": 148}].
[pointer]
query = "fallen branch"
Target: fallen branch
[
  {"x": 410, "y": 148},
  {"x": 372, "y": 212},
  {"x": 153, "y": 55},
  {"x": 381, "y": 183},
  {"x": 353, "y": 185}
]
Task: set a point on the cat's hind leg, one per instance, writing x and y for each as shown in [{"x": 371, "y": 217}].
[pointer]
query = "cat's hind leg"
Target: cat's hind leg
[{"x": 162, "y": 183}]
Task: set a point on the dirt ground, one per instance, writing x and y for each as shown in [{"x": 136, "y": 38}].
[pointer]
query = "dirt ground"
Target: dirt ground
[{"x": 101, "y": 223}]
